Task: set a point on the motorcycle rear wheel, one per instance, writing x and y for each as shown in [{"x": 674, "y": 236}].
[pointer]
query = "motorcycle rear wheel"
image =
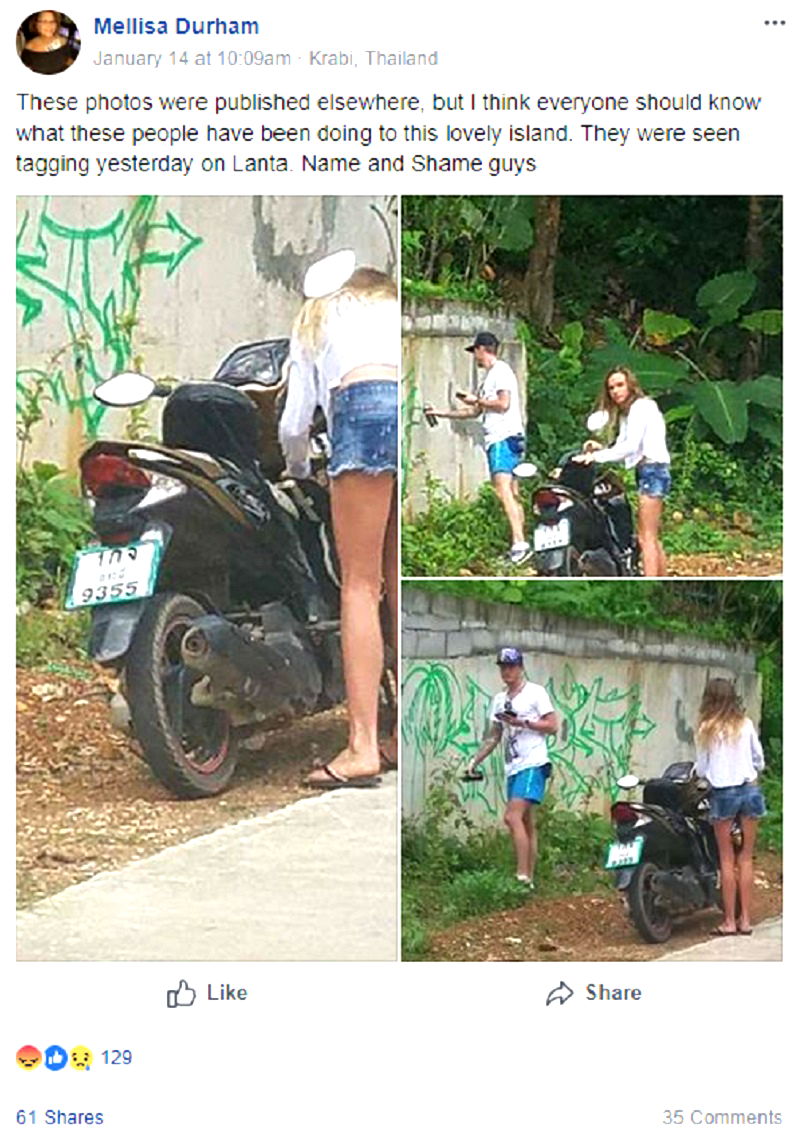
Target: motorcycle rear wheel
[
  {"x": 188, "y": 748},
  {"x": 652, "y": 923}
]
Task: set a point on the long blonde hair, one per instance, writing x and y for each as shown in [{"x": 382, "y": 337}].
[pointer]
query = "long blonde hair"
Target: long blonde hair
[
  {"x": 607, "y": 404},
  {"x": 721, "y": 715},
  {"x": 366, "y": 286}
]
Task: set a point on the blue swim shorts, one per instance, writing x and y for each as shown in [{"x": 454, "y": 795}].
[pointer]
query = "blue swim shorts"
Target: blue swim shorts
[
  {"x": 728, "y": 801},
  {"x": 503, "y": 456},
  {"x": 529, "y": 784},
  {"x": 653, "y": 479},
  {"x": 364, "y": 428}
]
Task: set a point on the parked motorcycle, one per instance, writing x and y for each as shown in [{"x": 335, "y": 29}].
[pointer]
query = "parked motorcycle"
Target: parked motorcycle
[
  {"x": 665, "y": 855},
  {"x": 213, "y": 586},
  {"x": 583, "y": 522}
]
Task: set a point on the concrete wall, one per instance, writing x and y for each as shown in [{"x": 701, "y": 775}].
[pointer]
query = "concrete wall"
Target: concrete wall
[
  {"x": 435, "y": 366},
  {"x": 626, "y": 700},
  {"x": 166, "y": 285}
]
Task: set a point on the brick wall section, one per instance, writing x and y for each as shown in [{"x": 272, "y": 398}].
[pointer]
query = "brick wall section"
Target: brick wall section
[{"x": 442, "y": 626}]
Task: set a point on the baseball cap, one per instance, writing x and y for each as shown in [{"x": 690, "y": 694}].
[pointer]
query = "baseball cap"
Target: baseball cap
[
  {"x": 509, "y": 655},
  {"x": 484, "y": 339}
]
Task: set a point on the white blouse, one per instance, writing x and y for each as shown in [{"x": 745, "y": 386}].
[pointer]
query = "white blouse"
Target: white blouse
[
  {"x": 356, "y": 333},
  {"x": 731, "y": 761},
  {"x": 642, "y": 434}
]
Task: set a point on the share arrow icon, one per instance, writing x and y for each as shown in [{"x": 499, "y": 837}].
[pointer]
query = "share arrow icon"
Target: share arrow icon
[{"x": 560, "y": 994}]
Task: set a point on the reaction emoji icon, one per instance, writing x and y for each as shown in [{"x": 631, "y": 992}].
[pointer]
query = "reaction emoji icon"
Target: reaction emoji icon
[
  {"x": 80, "y": 1058},
  {"x": 28, "y": 1057},
  {"x": 55, "y": 1058}
]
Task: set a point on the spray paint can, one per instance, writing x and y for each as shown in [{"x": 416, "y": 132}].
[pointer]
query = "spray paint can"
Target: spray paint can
[{"x": 430, "y": 418}]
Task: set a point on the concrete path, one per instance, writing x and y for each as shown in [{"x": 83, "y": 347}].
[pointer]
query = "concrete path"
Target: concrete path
[
  {"x": 314, "y": 881},
  {"x": 765, "y": 944}
]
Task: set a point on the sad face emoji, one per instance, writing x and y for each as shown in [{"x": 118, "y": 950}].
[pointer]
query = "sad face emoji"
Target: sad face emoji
[
  {"x": 28, "y": 1057},
  {"x": 80, "y": 1058}
]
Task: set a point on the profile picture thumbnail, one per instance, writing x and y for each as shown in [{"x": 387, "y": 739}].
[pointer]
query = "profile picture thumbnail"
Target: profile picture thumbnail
[{"x": 48, "y": 42}]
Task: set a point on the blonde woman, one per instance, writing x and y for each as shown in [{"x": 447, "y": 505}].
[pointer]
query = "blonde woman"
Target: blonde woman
[
  {"x": 730, "y": 758},
  {"x": 642, "y": 444},
  {"x": 343, "y": 358}
]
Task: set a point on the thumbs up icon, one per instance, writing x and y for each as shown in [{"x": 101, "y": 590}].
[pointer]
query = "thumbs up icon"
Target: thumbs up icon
[{"x": 183, "y": 997}]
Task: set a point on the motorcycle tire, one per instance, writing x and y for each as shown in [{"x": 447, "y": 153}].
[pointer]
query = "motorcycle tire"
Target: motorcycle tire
[
  {"x": 652, "y": 924},
  {"x": 188, "y": 748}
]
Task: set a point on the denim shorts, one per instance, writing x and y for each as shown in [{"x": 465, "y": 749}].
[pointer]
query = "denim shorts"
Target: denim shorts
[
  {"x": 746, "y": 799},
  {"x": 503, "y": 456},
  {"x": 653, "y": 479},
  {"x": 364, "y": 428},
  {"x": 529, "y": 784}
]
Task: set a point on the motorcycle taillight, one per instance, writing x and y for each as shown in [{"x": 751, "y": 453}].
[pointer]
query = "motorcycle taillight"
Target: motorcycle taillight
[
  {"x": 546, "y": 499},
  {"x": 102, "y": 473},
  {"x": 622, "y": 813}
]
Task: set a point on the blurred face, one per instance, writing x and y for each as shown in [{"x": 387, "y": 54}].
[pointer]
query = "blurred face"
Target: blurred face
[
  {"x": 511, "y": 673},
  {"x": 617, "y": 387},
  {"x": 483, "y": 357},
  {"x": 46, "y": 24}
]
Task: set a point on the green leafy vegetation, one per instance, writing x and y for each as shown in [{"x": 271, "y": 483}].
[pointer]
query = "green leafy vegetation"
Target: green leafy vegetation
[
  {"x": 684, "y": 291},
  {"x": 52, "y": 521},
  {"x": 454, "y": 870},
  {"x": 46, "y": 637}
]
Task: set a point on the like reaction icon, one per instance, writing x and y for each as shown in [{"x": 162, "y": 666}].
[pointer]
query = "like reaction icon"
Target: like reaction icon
[{"x": 183, "y": 997}]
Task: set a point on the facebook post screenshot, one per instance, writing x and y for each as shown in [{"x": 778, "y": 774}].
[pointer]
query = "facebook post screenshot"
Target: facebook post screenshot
[{"x": 399, "y": 569}]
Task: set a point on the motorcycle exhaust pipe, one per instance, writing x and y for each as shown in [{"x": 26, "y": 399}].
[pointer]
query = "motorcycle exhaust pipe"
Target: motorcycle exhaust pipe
[{"x": 272, "y": 674}]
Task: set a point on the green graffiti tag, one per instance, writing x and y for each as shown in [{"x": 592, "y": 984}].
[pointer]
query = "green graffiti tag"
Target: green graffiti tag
[
  {"x": 598, "y": 729},
  {"x": 93, "y": 275},
  {"x": 445, "y": 717}
]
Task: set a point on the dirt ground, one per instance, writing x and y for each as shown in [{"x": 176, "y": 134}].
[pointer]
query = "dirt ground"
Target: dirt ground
[
  {"x": 747, "y": 563},
  {"x": 726, "y": 564},
  {"x": 87, "y": 802},
  {"x": 588, "y": 927}
]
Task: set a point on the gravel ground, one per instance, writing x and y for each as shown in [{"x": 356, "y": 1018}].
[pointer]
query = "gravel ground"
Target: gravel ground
[
  {"x": 87, "y": 802},
  {"x": 588, "y": 927}
]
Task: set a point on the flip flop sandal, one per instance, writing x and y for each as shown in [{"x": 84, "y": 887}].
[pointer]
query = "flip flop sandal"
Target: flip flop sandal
[
  {"x": 337, "y": 781},
  {"x": 387, "y": 765},
  {"x": 723, "y": 932},
  {"x": 745, "y": 932}
]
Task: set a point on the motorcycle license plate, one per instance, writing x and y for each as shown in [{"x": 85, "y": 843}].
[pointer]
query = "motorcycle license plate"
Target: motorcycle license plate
[
  {"x": 103, "y": 575},
  {"x": 624, "y": 854},
  {"x": 551, "y": 536}
]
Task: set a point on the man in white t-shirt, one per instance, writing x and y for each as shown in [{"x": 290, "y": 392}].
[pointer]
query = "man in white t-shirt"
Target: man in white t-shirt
[
  {"x": 522, "y": 716},
  {"x": 503, "y": 433}
]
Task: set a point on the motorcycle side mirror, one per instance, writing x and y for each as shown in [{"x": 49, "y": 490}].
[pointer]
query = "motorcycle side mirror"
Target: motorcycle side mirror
[
  {"x": 597, "y": 421},
  {"x": 628, "y": 782},
  {"x": 526, "y": 470},
  {"x": 127, "y": 389}
]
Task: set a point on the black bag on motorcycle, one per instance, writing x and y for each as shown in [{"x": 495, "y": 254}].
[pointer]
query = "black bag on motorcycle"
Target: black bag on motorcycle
[{"x": 215, "y": 419}]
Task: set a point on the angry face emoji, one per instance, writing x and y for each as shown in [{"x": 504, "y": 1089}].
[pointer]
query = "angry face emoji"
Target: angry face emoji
[
  {"x": 80, "y": 1058},
  {"x": 28, "y": 1057}
]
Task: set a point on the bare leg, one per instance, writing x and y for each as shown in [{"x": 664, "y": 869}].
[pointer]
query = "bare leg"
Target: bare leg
[
  {"x": 533, "y": 841},
  {"x": 745, "y": 863},
  {"x": 361, "y": 506},
  {"x": 514, "y": 818},
  {"x": 503, "y": 485},
  {"x": 390, "y": 584},
  {"x": 653, "y": 558},
  {"x": 727, "y": 872}
]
